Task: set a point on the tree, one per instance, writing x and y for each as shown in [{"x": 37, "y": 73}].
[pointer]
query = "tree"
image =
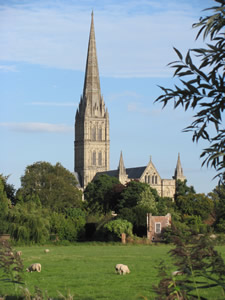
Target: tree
[
  {"x": 4, "y": 207},
  {"x": 203, "y": 88},
  {"x": 218, "y": 197},
  {"x": 133, "y": 193},
  {"x": 119, "y": 226},
  {"x": 195, "y": 204},
  {"x": 55, "y": 186},
  {"x": 29, "y": 222},
  {"x": 9, "y": 188},
  {"x": 147, "y": 201},
  {"x": 99, "y": 194},
  {"x": 182, "y": 189}
]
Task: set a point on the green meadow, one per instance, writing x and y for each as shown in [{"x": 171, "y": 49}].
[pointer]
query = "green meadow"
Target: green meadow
[{"x": 86, "y": 271}]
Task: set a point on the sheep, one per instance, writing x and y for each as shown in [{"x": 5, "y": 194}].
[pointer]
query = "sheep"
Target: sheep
[
  {"x": 175, "y": 273},
  {"x": 122, "y": 269},
  {"x": 46, "y": 250},
  {"x": 34, "y": 267},
  {"x": 19, "y": 253},
  {"x": 117, "y": 267}
]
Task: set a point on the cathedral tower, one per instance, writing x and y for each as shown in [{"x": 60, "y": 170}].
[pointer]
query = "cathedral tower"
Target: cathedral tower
[{"x": 91, "y": 122}]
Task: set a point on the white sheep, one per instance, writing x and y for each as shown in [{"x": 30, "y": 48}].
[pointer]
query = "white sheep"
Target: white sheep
[
  {"x": 34, "y": 267},
  {"x": 117, "y": 267},
  {"x": 46, "y": 250},
  {"x": 175, "y": 273},
  {"x": 122, "y": 269},
  {"x": 19, "y": 253}
]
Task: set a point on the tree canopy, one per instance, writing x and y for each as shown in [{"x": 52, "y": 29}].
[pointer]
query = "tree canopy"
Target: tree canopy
[
  {"x": 203, "y": 88},
  {"x": 55, "y": 186}
]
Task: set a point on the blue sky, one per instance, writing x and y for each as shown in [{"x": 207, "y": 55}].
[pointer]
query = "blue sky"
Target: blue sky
[{"x": 43, "y": 49}]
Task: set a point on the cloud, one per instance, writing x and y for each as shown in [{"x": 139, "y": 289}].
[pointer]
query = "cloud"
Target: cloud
[
  {"x": 37, "y": 127},
  {"x": 66, "y": 104},
  {"x": 10, "y": 68},
  {"x": 134, "y": 38}
]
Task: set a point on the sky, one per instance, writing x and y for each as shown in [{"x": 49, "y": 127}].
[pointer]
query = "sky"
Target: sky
[{"x": 43, "y": 50}]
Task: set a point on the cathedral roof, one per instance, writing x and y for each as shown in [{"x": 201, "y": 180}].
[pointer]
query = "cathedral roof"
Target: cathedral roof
[{"x": 133, "y": 173}]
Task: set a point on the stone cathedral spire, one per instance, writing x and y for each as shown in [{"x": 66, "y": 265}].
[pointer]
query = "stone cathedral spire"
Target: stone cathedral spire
[
  {"x": 178, "y": 174},
  {"x": 91, "y": 121}
]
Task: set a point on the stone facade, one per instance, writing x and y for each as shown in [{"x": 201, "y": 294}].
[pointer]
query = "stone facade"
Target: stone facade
[{"x": 92, "y": 144}]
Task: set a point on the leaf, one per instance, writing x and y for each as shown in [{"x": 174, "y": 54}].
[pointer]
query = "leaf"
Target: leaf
[{"x": 178, "y": 53}]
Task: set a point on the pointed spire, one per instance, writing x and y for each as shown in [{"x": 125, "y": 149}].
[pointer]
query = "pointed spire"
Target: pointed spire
[
  {"x": 121, "y": 166},
  {"x": 179, "y": 171},
  {"x": 91, "y": 91},
  {"x": 122, "y": 174}
]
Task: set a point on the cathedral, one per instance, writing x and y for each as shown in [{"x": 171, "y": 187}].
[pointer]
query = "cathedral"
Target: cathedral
[{"x": 92, "y": 143}]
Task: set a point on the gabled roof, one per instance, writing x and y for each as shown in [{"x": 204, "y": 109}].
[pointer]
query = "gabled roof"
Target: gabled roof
[{"x": 133, "y": 173}]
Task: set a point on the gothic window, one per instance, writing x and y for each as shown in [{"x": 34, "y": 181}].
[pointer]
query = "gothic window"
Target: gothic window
[
  {"x": 99, "y": 134},
  {"x": 148, "y": 178},
  {"x": 153, "y": 179},
  {"x": 157, "y": 228},
  {"x": 93, "y": 133},
  {"x": 156, "y": 179},
  {"x": 94, "y": 158},
  {"x": 100, "y": 158}
]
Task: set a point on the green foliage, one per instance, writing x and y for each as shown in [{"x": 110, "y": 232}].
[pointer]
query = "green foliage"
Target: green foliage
[
  {"x": 8, "y": 188},
  {"x": 99, "y": 194},
  {"x": 54, "y": 185},
  {"x": 203, "y": 88},
  {"x": 68, "y": 226},
  {"x": 119, "y": 226},
  {"x": 218, "y": 197},
  {"x": 29, "y": 223},
  {"x": 182, "y": 189},
  {"x": 147, "y": 200},
  {"x": 4, "y": 207},
  {"x": 132, "y": 194},
  {"x": 201, "y": 266},
  {"x": 195, "y": 204},
  {"x": 11, "y": 266}
]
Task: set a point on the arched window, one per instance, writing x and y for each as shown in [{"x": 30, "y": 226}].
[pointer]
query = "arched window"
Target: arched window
[
  {"x": 100, "y": 158},
  {"x": 156, "y": 179},
  {"x": 93, "y": 133},
  {"x": 94, "y": 158},
  {"x": 148, "y": 178},
  {"x": 99, "y": 134},
  {"x": 153, "y": 179}
]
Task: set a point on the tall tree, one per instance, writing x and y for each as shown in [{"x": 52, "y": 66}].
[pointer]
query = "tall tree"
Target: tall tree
[
  {"x": 100, "y": 194},
  {"x": 55, "y": 186},
  {"x": 203, "y": 88},
  {"x": 218, "y": 196},
  {"x": 4, "y": 207}
]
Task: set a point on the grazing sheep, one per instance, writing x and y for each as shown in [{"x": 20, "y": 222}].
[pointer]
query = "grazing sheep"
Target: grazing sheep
[
  {"x": 122, "y": 269},
  {"x": 47, "y": 250},
  {"x": 19, "y": 253},
  {"x": 175, "y": 273},
  {"x": 117, "y": 267},
  {"x": 34, "y": 267}
]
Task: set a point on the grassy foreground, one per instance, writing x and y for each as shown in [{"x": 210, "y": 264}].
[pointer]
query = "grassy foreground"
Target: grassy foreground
[{"x": 86, "y": 271}]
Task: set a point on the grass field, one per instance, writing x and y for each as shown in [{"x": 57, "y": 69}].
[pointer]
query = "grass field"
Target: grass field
[{"x": 86, "y": 271}]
